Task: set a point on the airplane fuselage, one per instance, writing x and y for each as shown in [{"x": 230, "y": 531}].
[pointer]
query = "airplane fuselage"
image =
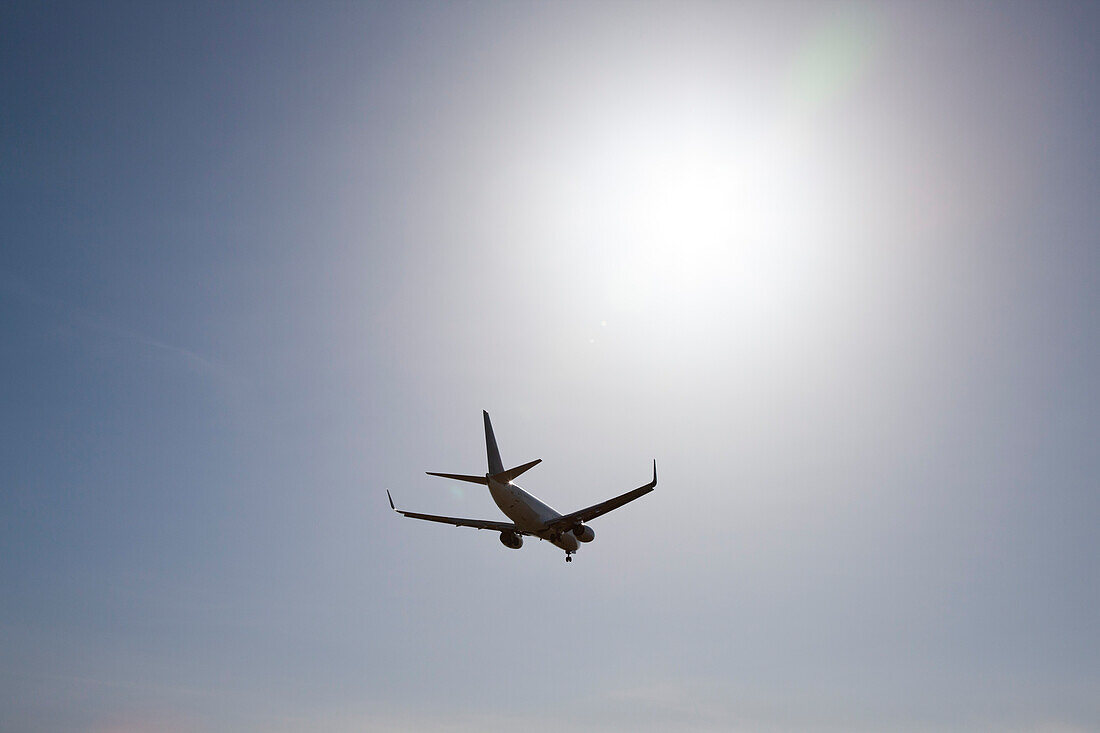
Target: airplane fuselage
[{"x": 529, "y": 513}]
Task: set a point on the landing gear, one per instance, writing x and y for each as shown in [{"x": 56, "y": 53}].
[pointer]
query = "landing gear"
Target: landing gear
[{"x": 569, "y": 558}]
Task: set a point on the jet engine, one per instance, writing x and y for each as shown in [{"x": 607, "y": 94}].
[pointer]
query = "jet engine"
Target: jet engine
[
  {"x": 583, "y": 533},
  {"x": 511, "y": 540}
]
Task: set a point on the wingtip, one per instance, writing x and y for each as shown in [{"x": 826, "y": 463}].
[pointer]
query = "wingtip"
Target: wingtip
[
  {"x": 391, "y": 500},
  {"x": 654, "y": 472}
]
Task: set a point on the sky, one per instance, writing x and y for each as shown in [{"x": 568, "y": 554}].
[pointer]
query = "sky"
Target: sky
[{"x": 835, "y": 266}]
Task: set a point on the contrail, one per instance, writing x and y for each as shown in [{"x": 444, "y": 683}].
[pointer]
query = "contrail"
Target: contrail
[{"x": 97, "y": 324}]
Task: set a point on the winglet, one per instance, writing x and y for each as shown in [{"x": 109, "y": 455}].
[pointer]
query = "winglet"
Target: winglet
[
  {"x": 391, "y": 500},
  {"x": 654, "y": 484}
]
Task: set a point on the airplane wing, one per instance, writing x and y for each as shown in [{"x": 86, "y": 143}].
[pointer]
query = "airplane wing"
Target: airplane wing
[
  {"x": 568, "y": 521},
  {"x": 459, "y": 522}
]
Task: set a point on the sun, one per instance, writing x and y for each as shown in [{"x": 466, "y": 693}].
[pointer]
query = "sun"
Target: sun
[{"x": 700, "y": 223}]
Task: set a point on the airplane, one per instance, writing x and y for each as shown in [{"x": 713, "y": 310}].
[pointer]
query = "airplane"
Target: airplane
[{"x": 529, "y": 515}]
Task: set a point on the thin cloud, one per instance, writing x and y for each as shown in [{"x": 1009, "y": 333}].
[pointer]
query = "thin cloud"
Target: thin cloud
[{"x": 93, "y": 323}]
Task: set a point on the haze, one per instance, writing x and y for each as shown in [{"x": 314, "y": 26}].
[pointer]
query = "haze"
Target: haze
[{"x": 835, "y": 266}]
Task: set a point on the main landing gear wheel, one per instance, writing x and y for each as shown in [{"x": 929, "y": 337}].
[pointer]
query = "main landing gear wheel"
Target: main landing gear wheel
[{"x": 569, "y": 558}]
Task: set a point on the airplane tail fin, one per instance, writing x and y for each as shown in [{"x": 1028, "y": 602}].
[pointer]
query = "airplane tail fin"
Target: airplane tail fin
[{"x": 495, "y": 466}]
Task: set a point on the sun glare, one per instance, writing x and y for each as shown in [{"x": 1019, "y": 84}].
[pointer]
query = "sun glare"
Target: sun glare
[
  {"x": 694, "y": 207},
  {"x": 701, "y": 226}
]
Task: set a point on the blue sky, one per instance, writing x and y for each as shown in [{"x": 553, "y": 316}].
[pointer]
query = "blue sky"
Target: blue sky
[{"x": 835, "y": 266}]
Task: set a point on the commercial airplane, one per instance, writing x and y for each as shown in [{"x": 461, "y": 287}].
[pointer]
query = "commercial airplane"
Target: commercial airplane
[{"x": 529, "y": 515}]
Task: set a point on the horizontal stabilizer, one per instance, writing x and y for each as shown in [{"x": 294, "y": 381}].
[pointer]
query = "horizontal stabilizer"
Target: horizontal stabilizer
[
  {"x": 461, "y": 477},
  {"x": 505, "y": 477}
]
